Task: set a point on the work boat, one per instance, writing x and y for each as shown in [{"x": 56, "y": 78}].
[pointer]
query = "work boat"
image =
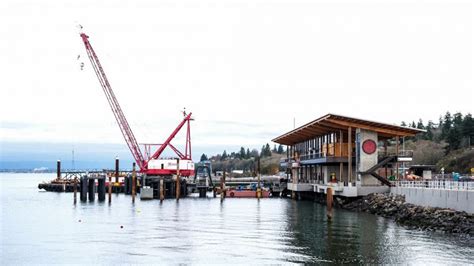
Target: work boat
[{"x": 246, "y": 193}]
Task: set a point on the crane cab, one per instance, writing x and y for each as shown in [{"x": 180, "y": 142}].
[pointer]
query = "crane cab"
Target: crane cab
[{"x": 164, "y": 166}]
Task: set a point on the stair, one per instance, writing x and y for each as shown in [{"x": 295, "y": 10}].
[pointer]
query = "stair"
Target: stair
[{"x": 371, "y": 171}]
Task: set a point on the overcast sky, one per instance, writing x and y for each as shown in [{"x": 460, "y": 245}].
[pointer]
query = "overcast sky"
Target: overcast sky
[{"x": 244, "y": 68}]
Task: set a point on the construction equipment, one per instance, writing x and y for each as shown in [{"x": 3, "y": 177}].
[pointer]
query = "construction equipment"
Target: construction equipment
[{"x": 150, "y": 164}]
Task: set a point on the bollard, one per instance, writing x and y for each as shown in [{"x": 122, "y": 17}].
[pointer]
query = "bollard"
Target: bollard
[
  {"x": 101, "y": 188},
  {"x": 58, "y": 169},
  {"x": 162, "y": 190},
  {"x": 83, "y": 188},
  {"x": 178, "y": 185},
  {"x": 134, "y": 182},
  {"x": 329, "y": 203},
  {"x": 75, "y": 190},
  {"x": 91, "y": 186}
]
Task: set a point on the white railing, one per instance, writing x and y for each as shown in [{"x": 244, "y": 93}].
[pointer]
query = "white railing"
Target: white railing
[{"x": 436, "y": 184}]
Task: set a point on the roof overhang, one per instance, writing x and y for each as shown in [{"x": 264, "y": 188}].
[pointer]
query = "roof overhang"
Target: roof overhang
[{"x": 332, "y": 123}]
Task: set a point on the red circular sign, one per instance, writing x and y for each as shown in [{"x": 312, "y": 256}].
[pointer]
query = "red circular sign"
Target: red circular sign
[{"x": 369, "y": 146}]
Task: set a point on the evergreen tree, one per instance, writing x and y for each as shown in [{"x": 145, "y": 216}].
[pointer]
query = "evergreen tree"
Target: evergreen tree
[
  {"x": 413, "y": 125},
  {"x": 268, "y": 151},
  {"x": 429, "y": 130},
  {"x": 247, "y": 155},
  {"x": 203, "y": 157},
  {"x": 242, "y": 153},
  {"x": 468, "y": 128},
  {"x": 274, "y": 148},
  {"x": 403, "y": 124},
  {"x": 458, "y": 121},
  {"x": 447, "y": 123},
  {"x": 420, "y": 124},
  {"x": 280, "y": 149},
  {"x": 453, "y": 139},
  {"x": 224, "y": 156}
]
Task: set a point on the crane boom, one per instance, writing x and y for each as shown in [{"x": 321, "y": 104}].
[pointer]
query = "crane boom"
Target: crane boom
[
  {"x": 163, "y": 146},
  {"x": 114, "y": 105}
]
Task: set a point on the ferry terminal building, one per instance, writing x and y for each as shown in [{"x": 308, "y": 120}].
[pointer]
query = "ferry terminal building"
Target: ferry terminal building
[{"x": 355, "y": 157}]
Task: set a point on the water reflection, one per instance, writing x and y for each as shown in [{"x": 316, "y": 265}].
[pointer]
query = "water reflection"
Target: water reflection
[
  {"x": 37, "y": 226},
  {"x": 363, "y": 238}
]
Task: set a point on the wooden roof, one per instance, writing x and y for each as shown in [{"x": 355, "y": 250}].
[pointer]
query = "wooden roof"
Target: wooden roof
[{"x": 332, "y": 123}]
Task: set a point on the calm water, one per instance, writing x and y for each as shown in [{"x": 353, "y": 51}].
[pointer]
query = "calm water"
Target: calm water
[{"x": 44, "y": 227}]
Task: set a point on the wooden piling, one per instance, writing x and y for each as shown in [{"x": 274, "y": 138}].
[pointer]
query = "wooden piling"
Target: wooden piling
[
  {"x": 110, "y": 189},
  {"x": 75, "y": 190},
  {"x": 101, "y": 188},
  {"x": 58, "y": 169},
  {"x": 83, "y": 188},
  {"x": 178, "y": 183},
  {"x": 116, "y": 169},
  {"x": 329, "y": 199},
  {"x": 259, "y": 189},
  {"x": 134, "y": 182},
  {"x": 223, "y": 190},
  {"x": 91, "y": 185},
  {"x": 162, "y": 190}
]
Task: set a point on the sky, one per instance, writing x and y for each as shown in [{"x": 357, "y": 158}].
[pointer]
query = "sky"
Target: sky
[{"x": 248, "y": 70}]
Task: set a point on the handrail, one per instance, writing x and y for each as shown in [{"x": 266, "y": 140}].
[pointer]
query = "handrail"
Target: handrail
[{"x": 436, "y": 184}]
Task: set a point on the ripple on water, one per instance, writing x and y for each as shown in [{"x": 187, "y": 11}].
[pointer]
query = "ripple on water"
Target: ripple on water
[{"x": 37, "y": 226}]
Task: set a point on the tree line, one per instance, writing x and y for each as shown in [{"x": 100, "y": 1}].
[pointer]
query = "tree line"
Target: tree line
[
  {"x": 456, "y": 130},
  {"x": 246, "y": 160},
  {"x": 246, "y": 153}
]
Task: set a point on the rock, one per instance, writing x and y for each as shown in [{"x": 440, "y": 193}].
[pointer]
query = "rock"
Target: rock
[{"x": 412, "y": 216}]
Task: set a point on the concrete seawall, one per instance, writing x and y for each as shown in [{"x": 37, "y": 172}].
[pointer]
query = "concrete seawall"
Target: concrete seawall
[{"x": 460, "y": 200}]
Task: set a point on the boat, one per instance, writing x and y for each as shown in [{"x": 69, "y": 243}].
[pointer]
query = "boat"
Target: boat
[{"x": 246, "y": 193}]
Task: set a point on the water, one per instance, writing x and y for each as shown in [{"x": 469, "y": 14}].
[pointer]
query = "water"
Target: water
[{"x": 45, "y": 227}]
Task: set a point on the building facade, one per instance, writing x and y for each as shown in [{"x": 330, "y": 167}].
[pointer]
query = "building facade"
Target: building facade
[{"x": 355, "y": 157}]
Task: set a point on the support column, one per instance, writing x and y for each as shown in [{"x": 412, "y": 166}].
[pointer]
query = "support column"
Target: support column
[
  {"x": 340, "y": 171},
  {"x": 340, "y": 143},
  {"x": 397, "y": 146},
  {"x": 349, "y": 154}
]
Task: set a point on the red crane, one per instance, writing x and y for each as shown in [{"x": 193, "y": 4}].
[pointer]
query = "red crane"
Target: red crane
[{"x": 151, "y": 165}]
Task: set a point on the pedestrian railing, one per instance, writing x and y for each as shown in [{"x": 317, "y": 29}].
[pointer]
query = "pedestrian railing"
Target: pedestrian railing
[{"x": 436, "y": 184}]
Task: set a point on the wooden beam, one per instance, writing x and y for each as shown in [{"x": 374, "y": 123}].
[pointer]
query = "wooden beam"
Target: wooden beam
[
  {"x": 372, "y": 128},
  {"x": 332, "y": 127}
]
